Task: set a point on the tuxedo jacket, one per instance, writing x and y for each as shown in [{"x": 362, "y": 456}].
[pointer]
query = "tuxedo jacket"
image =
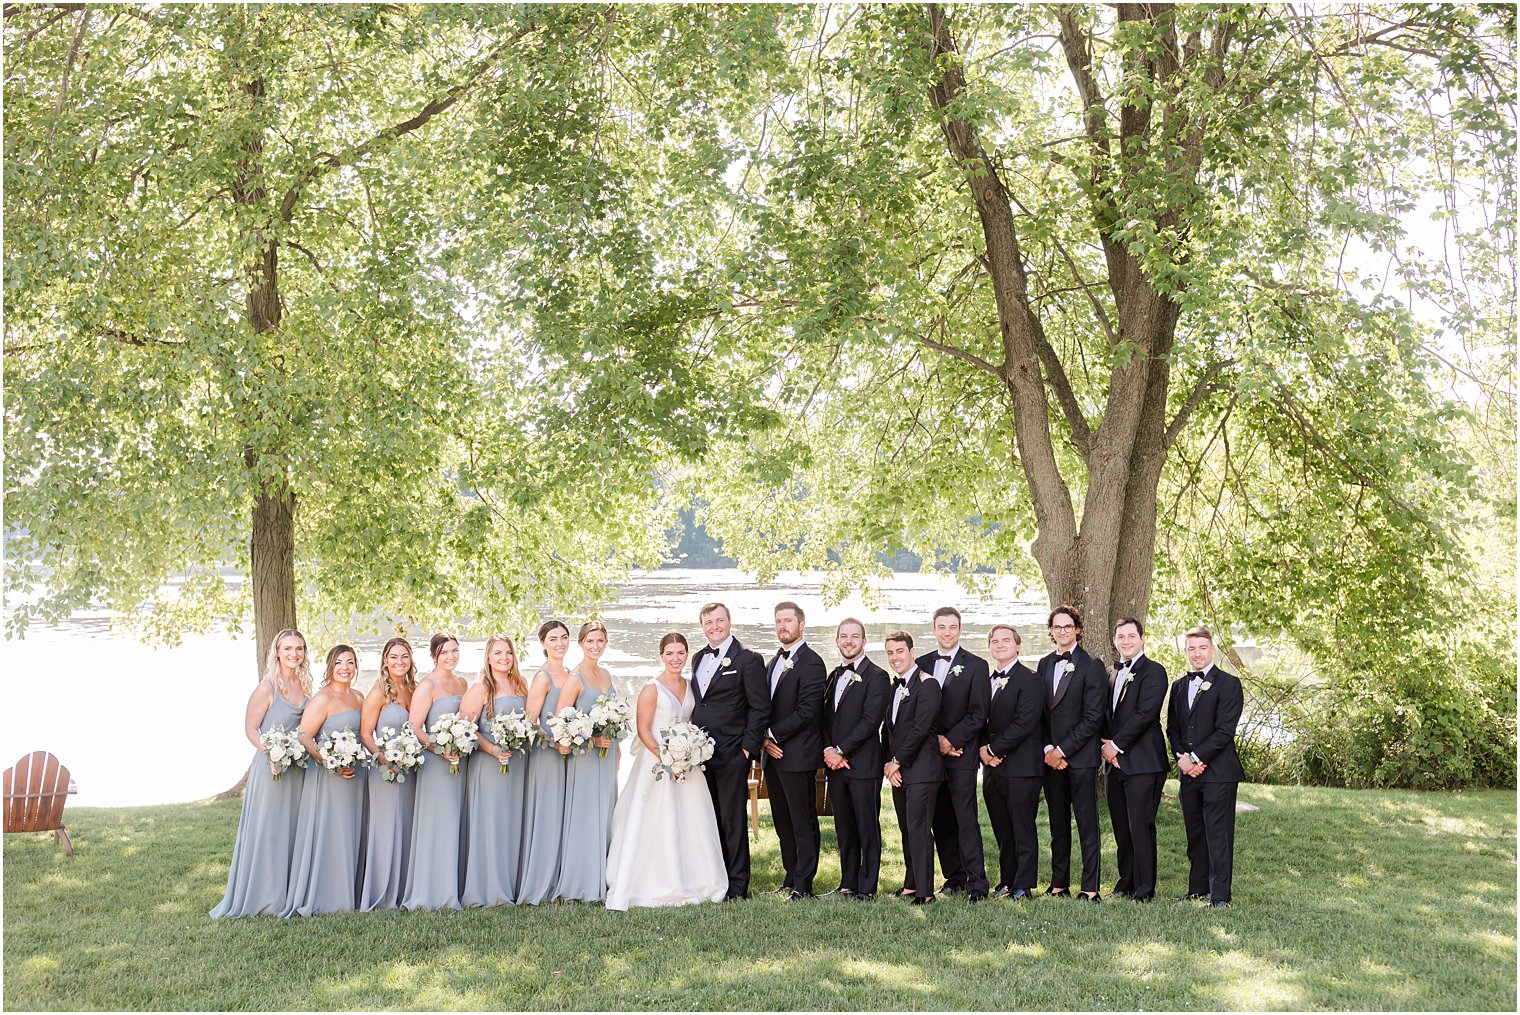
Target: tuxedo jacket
[
  {"x": 1134, "y": 725},
  {"x": 1016, "y": 726},
  {"x": 737, "y": 706},
  {"x": 911, "y": 737},
  {"x": 797, "y": 711},
  {"x": 1208, "y": 728},
  {"x": 963, "y": 703},
  {"x": 1074, "y": 712},
  {"x": 855, "y": 725}
]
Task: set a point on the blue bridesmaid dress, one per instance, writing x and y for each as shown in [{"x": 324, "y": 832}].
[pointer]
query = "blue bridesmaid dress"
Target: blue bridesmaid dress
[
  {"x": 260, "y": 874},
  {"x": 543, "y": 814},
  {"x": 324, "y": 869},
  {"x": 590, "y": 796},
  {"x": 433, "y": 875},
  {"x": 388, "y": 830},
  {"x": 495, "y": 804}
]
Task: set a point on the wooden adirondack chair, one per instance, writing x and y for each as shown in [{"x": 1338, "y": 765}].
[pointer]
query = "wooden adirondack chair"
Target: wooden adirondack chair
[{"x": 36, "y": 787}]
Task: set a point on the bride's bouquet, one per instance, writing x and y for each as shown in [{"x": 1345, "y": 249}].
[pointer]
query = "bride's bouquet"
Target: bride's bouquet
[
  {"x": 683, "y": 747},
  {"x": 452, "y": 733},
  {"x": 402, "y": 753},
  {"x": 284, "y": 749},
  {"x": 513, "y": 731},
  {"x": 570, "y": 727},
  {"x": 343, "y": 749},
  {"x": 610, "y": 717}
]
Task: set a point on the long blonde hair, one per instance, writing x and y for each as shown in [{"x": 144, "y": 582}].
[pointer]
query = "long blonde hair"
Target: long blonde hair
[
  {"x": 514, "y": 676},
  {"x": 272, "y": 663},
  {"x": 392, "y": 693}
]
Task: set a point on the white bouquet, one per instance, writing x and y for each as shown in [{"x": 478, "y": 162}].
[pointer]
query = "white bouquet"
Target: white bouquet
[
  {"x": 683, "y": 747},
  {"x": 284, "y": 749},
  {"x": 343, "y": 749},
  {"x": 452, "y": 733},
  {"x": 402, "y": 753},
  {"x": 512, "y": 731},
  {"x": 570, "y": 727},
  {"x": 610, "y": 717}
]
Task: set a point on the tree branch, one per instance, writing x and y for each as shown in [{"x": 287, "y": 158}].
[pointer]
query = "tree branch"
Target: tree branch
[
  {"x": 327, "y": 162},
  {"x": 1209, "y": 383},
  {"x": 961, "y": 354}
]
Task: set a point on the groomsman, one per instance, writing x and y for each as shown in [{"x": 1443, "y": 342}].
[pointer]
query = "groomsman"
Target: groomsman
[
  {"x": 963, "y": 712},
  {"x": 914, "y": 766},
  {"x": 1200, "y": 722},
  {"x": 794, "y": 749},
  {"x": 1073, "y": 683},
  {"x": 854, "y": 705},
  {"x": 1013, "y": 762},
  {"x": 1137, "y": 758},
  {"x": 733, "y": 705}
]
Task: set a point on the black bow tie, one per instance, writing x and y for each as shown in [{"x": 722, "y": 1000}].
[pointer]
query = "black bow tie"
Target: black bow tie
[
  {"x": 1124, "y": 664},
  {"x": 945, "y": 657},
  {"x": 842, "y": 670},
  {"x": 1195, "y": 675},
  {"x": 785, "y": 653},
  {"x": 999, "y": 674},
  {"x": 1064, "y": 655}
]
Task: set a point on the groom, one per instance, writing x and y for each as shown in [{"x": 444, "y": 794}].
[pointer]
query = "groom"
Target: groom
[{"x": 734, "y": 707}]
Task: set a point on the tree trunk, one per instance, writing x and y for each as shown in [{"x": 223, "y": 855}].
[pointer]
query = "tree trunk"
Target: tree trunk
[{"x": 272, "y": 568}]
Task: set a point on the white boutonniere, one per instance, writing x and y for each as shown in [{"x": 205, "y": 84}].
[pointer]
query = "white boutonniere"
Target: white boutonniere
[
  {"x": 1065, "y": 666},
  {"x": 853, "y": 678},
  {"x": 955, "y": 671},
  {"x": 786, "y": 664},
  {"x": 1205, "y": 685},
  {"x": 999, "y": 684},
  {"x": 725, "y": 661},
  {"x": 904, "y": 694}
]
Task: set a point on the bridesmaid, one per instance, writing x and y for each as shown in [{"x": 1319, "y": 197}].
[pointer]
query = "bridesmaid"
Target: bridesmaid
[
  {"x": 432, "y": 876},
  {"x": 590, "y": 781},
  {"x": 260, "y": 872},
  {"x": 388, "y": 837},
  {"x": 495, "y": 798},
  {"x": 544, "y": 803},
  {"x": 324, "y": 870}
]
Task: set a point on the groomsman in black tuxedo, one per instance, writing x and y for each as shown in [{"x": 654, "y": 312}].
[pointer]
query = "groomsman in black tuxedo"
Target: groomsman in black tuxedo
[
  {"x": 1200, "y": 722},
  {"x": 1137, "y": 758},
  {"x": 1013, "y": 762},
  {"x": 734, "y": 707},
  {"x": 854, "y": 704},
  {"x": 914, "y": 767},
  {"x": 963, "y": 713},
  {"x": 794, "y": 749},
  {"x": 1073, "y": 683}
]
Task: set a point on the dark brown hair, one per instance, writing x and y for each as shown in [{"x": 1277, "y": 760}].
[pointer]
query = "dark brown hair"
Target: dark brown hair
[
  {"x": 549, "y": 625},
  {"x": 1070, "y": 611},
  {"x": 789, "y": 605},
  {"x": 438, "y": 641},
  {"x": 409, "y": 681},
  {"x": 671, "y": 638},
  {"x": 332, "y": 659},
  {"x": 851, "y": 620},
  {"x": 1139, "y": 627},
  {"x": 948, "y": 611},
  {"x": 900, "y": 636}
]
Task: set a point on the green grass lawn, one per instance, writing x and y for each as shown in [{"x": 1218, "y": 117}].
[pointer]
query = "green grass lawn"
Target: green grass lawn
[{"x": 1343, "y": 899}]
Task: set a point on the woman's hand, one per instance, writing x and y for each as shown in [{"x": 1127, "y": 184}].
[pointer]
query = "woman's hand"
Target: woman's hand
[
  {"x": 347, "y": 773},
  {"x": 603, "y": 742},
  {"x": 563, "y": 750}
]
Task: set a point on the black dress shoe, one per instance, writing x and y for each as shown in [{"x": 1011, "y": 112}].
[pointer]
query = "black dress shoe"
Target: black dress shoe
[
  {"x": 948, "y": 889},
  {"x": 1219, "y": 904},
  {"x": 1002, "y": 891},
  {"x": 973, "y": 898},
  {"x": 922, "y": 900},
  {"x": 1142, "y": 898},
  {"x": 1021, "y": 893},
  {"x": 1060, "y": 893},
  {"x": 862, "y": 896},
  {"x": 1126, "y": 894},
  {"x": 1089, "y": 898},
  {"x": 798, "y": 896}
]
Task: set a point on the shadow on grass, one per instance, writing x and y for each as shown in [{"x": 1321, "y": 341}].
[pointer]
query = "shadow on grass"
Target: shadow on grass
[{"x": 1343, "y": 900}]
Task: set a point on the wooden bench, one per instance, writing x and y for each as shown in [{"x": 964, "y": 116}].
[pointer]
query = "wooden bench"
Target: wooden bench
[
  {"x": 36, "y": 787},
  {"x": 757, "y": 790}
]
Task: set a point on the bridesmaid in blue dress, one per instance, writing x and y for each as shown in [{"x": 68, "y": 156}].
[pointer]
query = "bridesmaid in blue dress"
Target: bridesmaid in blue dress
[
  {"x": 493, "y": 798},
  {"x": 324, "y": 867},
  {"x": 388, "y": 831},
  {"x": 590, "y": 781},
  {"x": 544, "y": 805},
  {"x": 260, "y": 872},
  {"x": 433, "y": 876}
]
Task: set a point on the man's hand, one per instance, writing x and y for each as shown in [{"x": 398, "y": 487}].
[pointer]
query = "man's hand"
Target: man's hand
[
  {"x": 832, "y": 758},
  {"x": 1110, "y": 753},
  {"x": 988, "y": 758},
  {"x": 773, "y": 749},
  {"x": 1055, "y": 759}
]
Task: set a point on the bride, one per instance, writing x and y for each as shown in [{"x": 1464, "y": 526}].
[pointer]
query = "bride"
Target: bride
[{"x": 665, "y": 848}]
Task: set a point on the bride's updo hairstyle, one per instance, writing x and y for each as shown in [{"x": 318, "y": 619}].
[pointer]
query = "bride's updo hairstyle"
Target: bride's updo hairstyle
[{"x": 673, "y": 637}]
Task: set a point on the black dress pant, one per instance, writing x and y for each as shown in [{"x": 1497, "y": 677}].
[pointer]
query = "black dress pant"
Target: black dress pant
[
  {"x": 1132, "y": 804},
  {"x": 1012, "y": 802},
  {"x": 914, "y": 803},
  {"x": 729, "y": 787},
  {"x": 794, "y": 811},
  {"x": 1073, "y": 791},
  {"x": 857, "y": 826},
  {"x": 958, "y": 831},
  {"x": 1208, "y": 814}
]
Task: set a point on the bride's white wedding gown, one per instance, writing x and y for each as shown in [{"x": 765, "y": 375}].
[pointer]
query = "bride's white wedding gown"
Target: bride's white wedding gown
[{"x": 665, "y": 849}]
